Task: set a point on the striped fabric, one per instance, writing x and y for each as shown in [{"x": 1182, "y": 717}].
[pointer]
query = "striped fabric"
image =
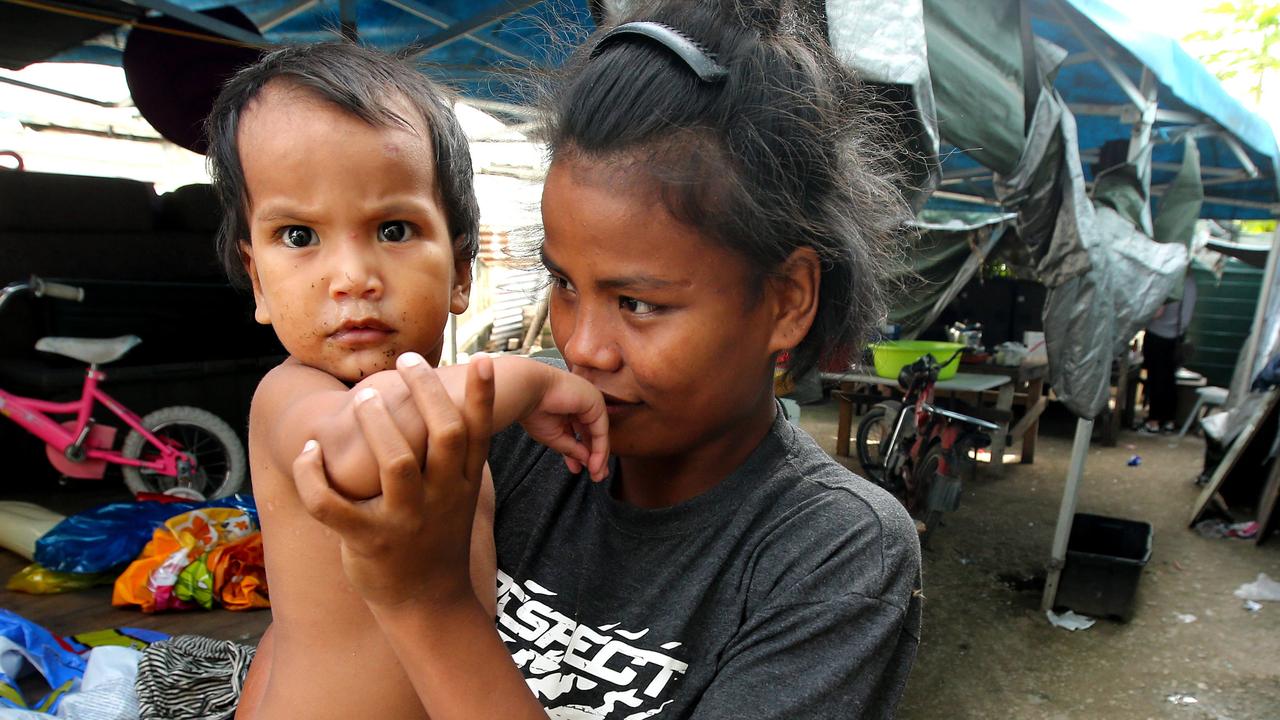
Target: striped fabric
[{"x": 189, "y": 677}]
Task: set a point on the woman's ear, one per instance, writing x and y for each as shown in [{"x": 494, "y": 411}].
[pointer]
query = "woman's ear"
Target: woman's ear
[
  {"x": 795, "y": 287},
  {"x": 261, "y": 312}
]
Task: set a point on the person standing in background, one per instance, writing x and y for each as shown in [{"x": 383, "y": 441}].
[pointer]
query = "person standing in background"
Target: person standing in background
[{"x": 1161, "y": 356}]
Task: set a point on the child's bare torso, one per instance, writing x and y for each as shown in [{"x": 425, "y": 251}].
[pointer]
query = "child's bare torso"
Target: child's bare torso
[
  {"x": 327, "y": 657},
  {"x": 324, "y": 655}
]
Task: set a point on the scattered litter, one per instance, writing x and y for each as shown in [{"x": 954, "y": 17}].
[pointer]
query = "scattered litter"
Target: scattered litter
[
  {"x": 1177, "y": 566},
  {"x": 1131, "y": 446},
  {"x": 1069, "y": 620},
  {"x": 1219, "y": 529},
  {"x": 1252, "y": 606},
  {"x": 1185, "y": 618},
  {"x": 1211, "y": 529},
  {"x": 1244, "y": 530},
  {"x": 1264, "y": 588},
  {"x": 1182, "y": 699},
  {"x": 1135, "y": 461}
]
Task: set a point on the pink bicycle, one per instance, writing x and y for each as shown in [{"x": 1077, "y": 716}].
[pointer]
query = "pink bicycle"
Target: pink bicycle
[{"x": 178, "y": 450}]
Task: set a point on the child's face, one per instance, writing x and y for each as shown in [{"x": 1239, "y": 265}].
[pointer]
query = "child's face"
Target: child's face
[
  {"x": 349, "y": 250},
  {"x": 664, "y": 322}
]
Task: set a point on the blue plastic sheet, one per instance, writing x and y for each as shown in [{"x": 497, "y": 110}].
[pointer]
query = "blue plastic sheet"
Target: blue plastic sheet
[
  {"x": 112, "y": 535},
  {"x": 22, "y": 641},
  {"x": 61, "y": 661}
]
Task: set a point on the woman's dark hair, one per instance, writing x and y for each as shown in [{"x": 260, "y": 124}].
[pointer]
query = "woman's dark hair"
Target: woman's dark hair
[
  {"x": 782, "y": 153},
  {"x": 366, "y": 83}
]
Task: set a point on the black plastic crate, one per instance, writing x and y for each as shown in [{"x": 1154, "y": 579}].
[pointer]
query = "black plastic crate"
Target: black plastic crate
[{"x": 1105, "y": 557}]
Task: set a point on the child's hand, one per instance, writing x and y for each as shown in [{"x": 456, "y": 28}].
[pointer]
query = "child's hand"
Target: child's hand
[
  {"x": 412, "y": 542},
  {"x": 571, "y": 419}
]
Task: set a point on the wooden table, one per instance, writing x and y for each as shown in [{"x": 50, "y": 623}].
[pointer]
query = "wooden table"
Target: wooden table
[
  {"x": 1028, "y": 389},
  {"x": 962, "y": 382}
]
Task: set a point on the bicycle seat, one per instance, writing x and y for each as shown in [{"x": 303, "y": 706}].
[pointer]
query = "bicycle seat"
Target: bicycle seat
[{"x": 90, "y": 350}]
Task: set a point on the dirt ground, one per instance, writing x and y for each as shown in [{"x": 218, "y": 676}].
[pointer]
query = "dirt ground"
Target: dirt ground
[{"x": 987, "y": 650}]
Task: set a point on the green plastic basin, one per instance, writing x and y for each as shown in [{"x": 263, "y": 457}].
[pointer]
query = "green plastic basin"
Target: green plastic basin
[{"x": 890, "y": 356}]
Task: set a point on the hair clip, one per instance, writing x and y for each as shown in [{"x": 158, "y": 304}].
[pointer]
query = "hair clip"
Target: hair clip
[{"x": 700, "y": 60}]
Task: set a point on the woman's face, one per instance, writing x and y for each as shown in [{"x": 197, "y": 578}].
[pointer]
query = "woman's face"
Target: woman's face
[{"x": 670, "y": 326}]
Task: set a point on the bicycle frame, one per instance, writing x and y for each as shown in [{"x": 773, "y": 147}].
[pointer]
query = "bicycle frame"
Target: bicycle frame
[
  {"x": 917, "y": 412},
  {"x": 930, "y": 423},
  {"x": 34, "y": 416}
]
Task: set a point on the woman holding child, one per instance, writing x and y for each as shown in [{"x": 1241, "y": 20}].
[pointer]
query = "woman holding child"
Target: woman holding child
[{"x": 714, "y": 199}]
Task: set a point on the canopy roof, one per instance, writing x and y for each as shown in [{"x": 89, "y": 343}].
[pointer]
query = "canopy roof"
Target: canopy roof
[
  {"x": 1113, "y": 69},
  {"x": 476, "y": 45}
]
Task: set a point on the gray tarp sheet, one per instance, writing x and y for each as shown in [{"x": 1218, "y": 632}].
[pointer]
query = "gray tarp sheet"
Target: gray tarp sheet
[
  {"x": 1105, "y": 277},
  {"x": 942, "y": 254},
  {"x": 1180, "y": 205},
  {"x": 884, "y": 41},
  {"x": 975, "y": 58}
]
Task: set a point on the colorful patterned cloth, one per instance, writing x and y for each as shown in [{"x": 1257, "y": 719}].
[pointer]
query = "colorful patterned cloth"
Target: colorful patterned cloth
[{"x": 195, "y": 559}]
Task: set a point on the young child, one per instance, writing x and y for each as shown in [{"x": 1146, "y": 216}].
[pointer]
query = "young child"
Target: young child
[
  {"x": 714, "y": 198},
  {"x": 345, "y": 180}
]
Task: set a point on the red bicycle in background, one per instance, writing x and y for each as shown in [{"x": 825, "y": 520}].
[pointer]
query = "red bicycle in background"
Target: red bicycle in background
[
  {"x": 178, "y": 450},
  {"x": 916, "y": 450}
]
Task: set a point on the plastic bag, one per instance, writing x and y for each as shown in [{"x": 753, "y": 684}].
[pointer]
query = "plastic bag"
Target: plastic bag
[
  {"x": 102, "y": 661},
  {"x": 106, "y": 690},
  {"x": 195, "y": 584},
  {"x": 171, "y": 573},
  {"x": 239, "y": 574},
  {"x": 23, "y": 642},
  {"x": 133, "y": 585},
  {"x": 112, "y": 535},
  {"x": 39, "y": 580}
]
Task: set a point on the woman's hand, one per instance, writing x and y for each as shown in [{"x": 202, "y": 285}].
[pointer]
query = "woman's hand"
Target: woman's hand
[{"x": 412, "y": 542}]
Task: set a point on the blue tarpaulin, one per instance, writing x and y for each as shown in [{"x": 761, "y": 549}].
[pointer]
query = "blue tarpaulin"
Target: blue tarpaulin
[{"x": 487, "y": 47}]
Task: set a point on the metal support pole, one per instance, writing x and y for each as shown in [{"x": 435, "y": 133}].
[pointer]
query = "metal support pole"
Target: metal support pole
[
  {"x": 1139, "y": 154},
  {"x": 978, "y": 255},
  {"x": 1066, "y": 511},
  {"x": 204, "y": 22}
]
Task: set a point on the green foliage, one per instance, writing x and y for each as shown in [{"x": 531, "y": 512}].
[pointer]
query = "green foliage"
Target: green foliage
[{"x": 1255, "y": 42}]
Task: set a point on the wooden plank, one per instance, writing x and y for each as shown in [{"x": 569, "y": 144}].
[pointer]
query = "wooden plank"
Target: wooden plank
[
  {"x": 1032, "y": 417},
  {"x": 1267, "y": 507},
  {"x": 1004, "y": 404},
  {"x": 1237, "y": 448},
  {"x": 962, "y": 381},
  {"x": 1035, "y": 388},
  {"x": 845, "y": 426}
]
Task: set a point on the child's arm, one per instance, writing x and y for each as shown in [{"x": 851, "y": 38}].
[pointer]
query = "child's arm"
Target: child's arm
[
  {"x": 553, "y": 404},
  {"x": 443, "y": 637}
]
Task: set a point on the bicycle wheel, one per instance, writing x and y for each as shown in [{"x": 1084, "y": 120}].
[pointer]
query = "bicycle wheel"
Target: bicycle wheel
[
  {"x": 917, "y": 503},
  {"x": 218, "y": 453},
  {"x": 873, "y": 432}
]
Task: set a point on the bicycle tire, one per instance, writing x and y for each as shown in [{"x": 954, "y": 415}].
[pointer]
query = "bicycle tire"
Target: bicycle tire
[
  {"x": 926, "y": 473},
  {"x": 212, "y": 440},
  {"x": 880, "y": 417}
]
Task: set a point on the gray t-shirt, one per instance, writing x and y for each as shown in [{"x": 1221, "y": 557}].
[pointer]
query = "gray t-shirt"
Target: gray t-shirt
[
  {"x": 1176, "y": 316},
  {"x": 789, "y": 590}
]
